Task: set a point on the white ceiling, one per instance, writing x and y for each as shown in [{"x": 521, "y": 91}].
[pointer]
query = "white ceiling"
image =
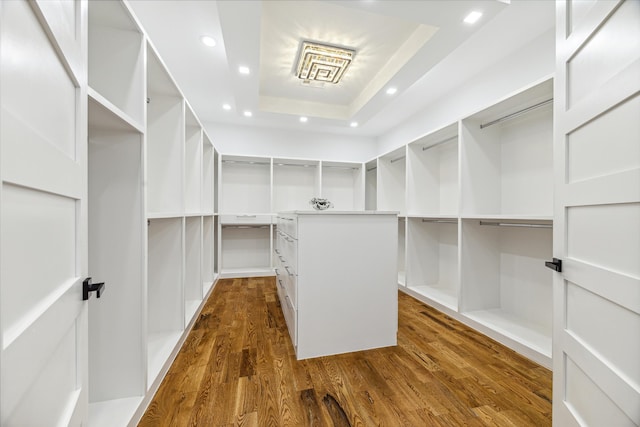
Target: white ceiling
[{"x": 423, "y": 48}]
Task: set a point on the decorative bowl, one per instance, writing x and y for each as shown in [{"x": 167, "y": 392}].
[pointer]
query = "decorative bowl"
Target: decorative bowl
[{"x": 320, "y": 204}]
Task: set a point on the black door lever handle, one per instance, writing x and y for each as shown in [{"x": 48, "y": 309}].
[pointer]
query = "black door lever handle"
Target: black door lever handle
[
  {"x": 555, "y": 265},
  {"x": 88, "y": 287}
]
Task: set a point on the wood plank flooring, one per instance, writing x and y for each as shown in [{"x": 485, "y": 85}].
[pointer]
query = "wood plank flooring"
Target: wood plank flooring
[{"x": 238, "y": 368}]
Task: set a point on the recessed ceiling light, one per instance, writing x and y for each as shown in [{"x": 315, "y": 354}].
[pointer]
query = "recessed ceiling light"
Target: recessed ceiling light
[
  {"x": 226, "y": 107},
  {"x": 354, "y": 124},
  {"x": 208, "y": 41},
  {"x": 473, "y": 17},
  {"x": 243, "y": 69},
  {"x": 391, "y": 90},
  {"x": 304, "y": 119},
  {"x": 247, "y": 113}
]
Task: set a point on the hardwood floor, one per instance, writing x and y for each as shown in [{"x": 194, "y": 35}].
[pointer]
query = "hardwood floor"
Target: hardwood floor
[{"x": 238, "y": 368}]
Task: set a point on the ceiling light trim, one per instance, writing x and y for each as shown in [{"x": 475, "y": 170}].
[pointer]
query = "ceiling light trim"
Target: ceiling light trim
[{"x": 325, "y": 63}]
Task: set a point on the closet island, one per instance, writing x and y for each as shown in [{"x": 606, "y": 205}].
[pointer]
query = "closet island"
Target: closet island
[{"x": 337, "y": 280}]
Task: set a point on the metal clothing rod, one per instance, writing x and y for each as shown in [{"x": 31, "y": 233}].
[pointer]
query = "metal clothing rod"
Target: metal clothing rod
[
  {"x": 440, "y": 143},
  {"x": 396, "y": 159},
  {"x": 246, "y": 162},
  {"x": 244, "y": 226},
  {"x": 516, "y": 224},
  {"x": 299, "y": 165},
  {"x": 516, "y": 114},
  {"x": 441, "y": 221},
  {"x": 372, "y": 169},
  {"x": 341, "y": 167}
]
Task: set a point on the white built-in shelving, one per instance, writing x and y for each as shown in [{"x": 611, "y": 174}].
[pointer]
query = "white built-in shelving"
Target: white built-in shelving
[
  {"x": 476, "y": 202},
  {"x": 253, "y": 189},
  {"x": 506, "y": 287},
  {"x": 153, "y": 234},
  {"x": 116, "y": 211}
]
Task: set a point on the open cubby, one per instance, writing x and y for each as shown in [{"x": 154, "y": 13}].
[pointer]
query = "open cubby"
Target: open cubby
[
  {"x": 208, "y": 174},
  {"x": 208, "y": 253},
  {"x": 165, "y": 141},
  {"x": 245, "y": 185},
  {"x": 246, "y": 249},
  {"x": 432, "y": 170},
  {"x": 116, "y": 246},
  {"x": 116, "y": 57},
  {"x": 391, "y": 181},
  {"x": 342, "y": 184},
  {"x": 295, "y": 183},
  {"x": 193, "y": 165},
  {"x": 193, "y": 266},
  {"x": 371, "y": 185},
  {"x": 402, "y": 251},
  {"x": 505, "y": 284},
  {"x": 507, "y": 157},
  {"x": 165, "y": 294},
  {"x": 432, "y": 259}
]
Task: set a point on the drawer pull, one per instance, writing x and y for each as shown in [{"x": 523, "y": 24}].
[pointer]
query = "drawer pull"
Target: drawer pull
[
  {"x": 287, "y": 268},
  {"x": 245, "y": 216}
]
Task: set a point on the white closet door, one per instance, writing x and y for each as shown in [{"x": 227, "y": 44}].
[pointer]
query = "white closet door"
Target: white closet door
[
  {"x": 596, "y": 341},
  {"x": 43, "y": 221}
]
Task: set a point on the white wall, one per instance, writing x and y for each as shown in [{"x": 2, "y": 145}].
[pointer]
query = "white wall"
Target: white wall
[
  {"x": 256, "y": 141},
  {"x": 534, "y": 61}
]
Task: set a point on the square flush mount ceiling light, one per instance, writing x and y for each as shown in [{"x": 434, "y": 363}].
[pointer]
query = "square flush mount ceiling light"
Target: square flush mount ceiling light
[{"x": 323, "y": 63}]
